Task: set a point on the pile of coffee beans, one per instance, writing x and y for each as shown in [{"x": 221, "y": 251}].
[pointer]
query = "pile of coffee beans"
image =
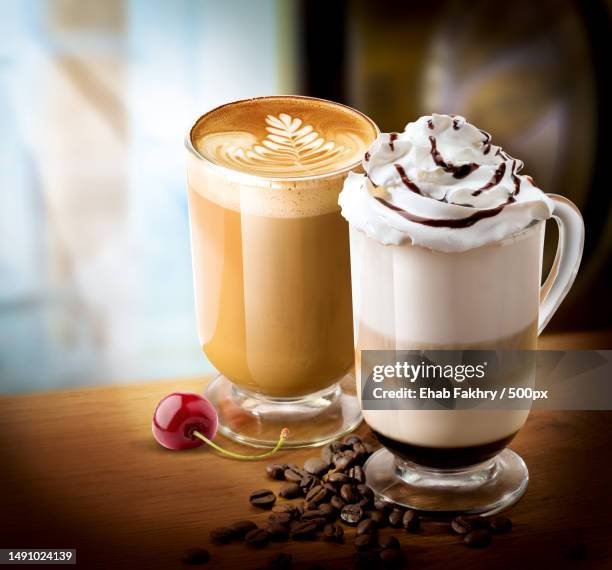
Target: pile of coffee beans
[{"x": 333, "y": 493}]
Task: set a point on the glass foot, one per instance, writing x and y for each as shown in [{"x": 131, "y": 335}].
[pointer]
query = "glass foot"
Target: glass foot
[
  {"x": 313, "y": 420},
  {"x": 484, "y": 489}
]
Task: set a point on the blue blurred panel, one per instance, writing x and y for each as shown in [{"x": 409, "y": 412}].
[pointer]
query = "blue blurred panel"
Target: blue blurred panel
[{"x": 95, "y": 268}]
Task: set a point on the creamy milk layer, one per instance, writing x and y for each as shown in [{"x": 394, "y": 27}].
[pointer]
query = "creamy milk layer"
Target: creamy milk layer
[
  {"x": 441, "y": 184},
  {"x": 446, "y": 428},
  {"x": 419, "y": 296}
]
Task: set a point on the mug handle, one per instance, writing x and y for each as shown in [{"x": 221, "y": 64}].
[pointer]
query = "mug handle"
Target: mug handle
[{"x": 567, "y": 259}]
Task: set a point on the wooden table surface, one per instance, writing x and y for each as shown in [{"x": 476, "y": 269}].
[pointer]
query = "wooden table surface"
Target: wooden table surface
[{"x": 81, "y": 470}]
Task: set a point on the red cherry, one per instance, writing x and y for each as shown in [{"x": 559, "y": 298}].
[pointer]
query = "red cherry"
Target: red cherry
[{"x": 178, "y": 415}]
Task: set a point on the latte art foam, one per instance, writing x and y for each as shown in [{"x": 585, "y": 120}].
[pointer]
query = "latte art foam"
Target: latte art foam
[
  {"x": 283, "y": 137},
  {"x": 441, "y": 184}
]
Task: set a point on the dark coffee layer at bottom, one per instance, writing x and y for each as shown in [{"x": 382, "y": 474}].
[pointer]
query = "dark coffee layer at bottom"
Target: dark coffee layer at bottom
[{"x": 444, "y": 457}]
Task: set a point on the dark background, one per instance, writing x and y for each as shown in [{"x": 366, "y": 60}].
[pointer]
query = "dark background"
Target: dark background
[{"x": 516, "y": 69}]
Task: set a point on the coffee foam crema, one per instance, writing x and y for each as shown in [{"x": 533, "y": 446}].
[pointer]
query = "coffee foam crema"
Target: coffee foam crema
[
  {"x": 283, "y": 137},
  {"x": 291, "y": 153}
]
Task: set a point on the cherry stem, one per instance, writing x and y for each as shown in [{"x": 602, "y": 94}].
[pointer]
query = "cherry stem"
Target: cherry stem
[{"x": 284, "y": 434}]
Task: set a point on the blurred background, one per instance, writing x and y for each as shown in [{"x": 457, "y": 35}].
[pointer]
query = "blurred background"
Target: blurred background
[{"x": 96, "y": 97}]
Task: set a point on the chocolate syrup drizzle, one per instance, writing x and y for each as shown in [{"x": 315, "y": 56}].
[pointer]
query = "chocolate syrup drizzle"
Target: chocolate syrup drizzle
[
  {"x": 409, "y": 183},
  {"x": 495, "y": 180},
  {"x": 392, "y": 139},
  {"x": 515, "y": 179},
  {"x": 458, "y": 171},
  {"x": 458, "y": 223},
  {"x": 486, "y": 142}
]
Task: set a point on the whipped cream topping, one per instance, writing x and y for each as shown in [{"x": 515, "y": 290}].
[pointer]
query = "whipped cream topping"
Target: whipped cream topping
[{"x": 441, "y": 184}]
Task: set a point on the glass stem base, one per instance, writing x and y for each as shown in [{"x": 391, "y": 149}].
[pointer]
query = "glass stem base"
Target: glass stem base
[
  {"x": 486, "y": 488},
  {"x": 313, "y": 420}
]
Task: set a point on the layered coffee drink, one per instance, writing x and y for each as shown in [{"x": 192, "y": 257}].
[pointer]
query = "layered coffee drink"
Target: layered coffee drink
[
  {"x": 446, "y": 242},
  {"x": 421, "y": 299},
  {"x": 271, "y": 250}
]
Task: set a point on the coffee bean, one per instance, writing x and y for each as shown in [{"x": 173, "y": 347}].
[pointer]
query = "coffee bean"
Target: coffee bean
[
  {"x": 316, "y": 466},
  {"x": 290, "y": 491},
  {"x": 411, "y": 521},
  {"x": 316, "y": 495},
  {"x": 300, "y": 508},
  {"x": 222, "y": 535},
  {"x": 327, "y": 511},
  {"x": 280, "y": 518},
  {"x": 461, "y": 525},
  {"x": 320, "y": 522},
  {"x": 466, "y": 523},
  {"x": 281, "y": 561},
  {"x": 379, "y": 518},
  {"x": 366, "y": 526},
  {"x": 316, "y": 517},
  {"x": 262, "y": 499},
  {"x": 366, "y": 559},
  {"x": 330, "y": 487},
  {"x": 364, "y": 542},
  {"x": 344, "y": 461},
  {"x": 500, "y": 525},
  {"x": 276, "y": 471},
  {"x": 360, "y": 451},
  {"x": 313, "y": 514},
  {"x": 327, "y": 454},
  {"x": 307, "y": 483},
  {"x": 240, "y": 528},
  {"x": 277, "y": 532},
  {"x": 356, "y": 473},
  {"x": 351, "y": 439},
  {"x": 351, "y": 514},
  {"x": 195, "y": 556},
  {"x": 339, "y": 478},
  {"x": 294, "y": 474},
  {"x": 383, "y": 506},
  {"x": 337, "y": 503},
  {"x": 333, "y": 533},
  {"x": 365, "y": 503},
  {"x": 257, "y": 537},
  {"x": 388, "y": 542},
  {"x": 371, "y": 444},
  {"x": 285, "y": 508},
  {"x": 478, "y": 538},
  {"x": 391, "y": 558},
  {"x": 348, "y": 493},
  {"x": 395, "y": 518},
  {"x": 304, "y": 531}
]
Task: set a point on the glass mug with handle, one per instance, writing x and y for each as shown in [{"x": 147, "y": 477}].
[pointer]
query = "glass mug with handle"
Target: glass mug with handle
[
  {"x": 428, "y": 275},
  {"x": 271, "y": 264}
]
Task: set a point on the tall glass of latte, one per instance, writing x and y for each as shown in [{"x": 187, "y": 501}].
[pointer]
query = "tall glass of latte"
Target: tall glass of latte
[
  {"x": 446, "y": 252},
  {"x": 271, "y": 264}
]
